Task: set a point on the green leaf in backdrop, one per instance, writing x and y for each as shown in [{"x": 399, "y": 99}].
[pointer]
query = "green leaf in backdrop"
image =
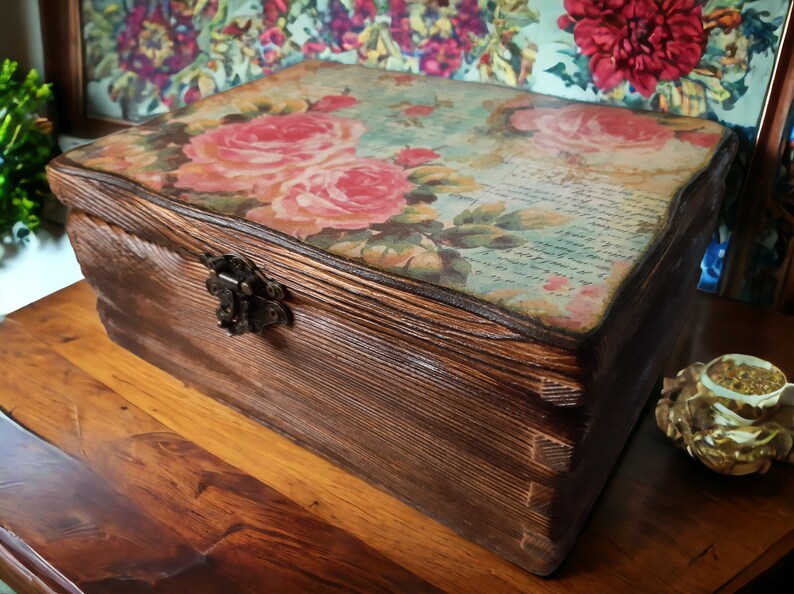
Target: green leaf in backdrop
[{"x": 25, "y": 148}]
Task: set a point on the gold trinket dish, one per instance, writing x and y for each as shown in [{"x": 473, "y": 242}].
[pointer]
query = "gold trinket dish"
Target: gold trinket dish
[{"x": 734, "y": 414}]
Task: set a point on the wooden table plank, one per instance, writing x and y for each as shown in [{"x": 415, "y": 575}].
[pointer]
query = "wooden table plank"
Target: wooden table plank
[
  {"x": 69, "y": 515},
  {"x": 398, "y": 531},
  {"x": 121, "y": 504},
  {"x": 663, "y": 519}
]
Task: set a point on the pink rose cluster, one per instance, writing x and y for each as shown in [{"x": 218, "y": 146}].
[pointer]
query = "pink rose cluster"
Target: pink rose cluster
[
  {"x": 302, "y": 167},
  {"x": 587, "y": 128}
]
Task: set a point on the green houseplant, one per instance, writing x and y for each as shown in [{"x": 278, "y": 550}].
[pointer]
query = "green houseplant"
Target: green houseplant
[{"x": 25, "y": 148}]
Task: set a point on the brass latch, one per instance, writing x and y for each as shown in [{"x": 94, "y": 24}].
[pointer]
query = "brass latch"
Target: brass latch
[{"x": 249, "y": 300}]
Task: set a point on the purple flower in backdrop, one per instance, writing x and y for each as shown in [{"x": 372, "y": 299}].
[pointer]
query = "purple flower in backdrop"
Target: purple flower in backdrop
[
  {"x": 468, "y": 23},
  {"x": 343, "y": 23},
  {"x": 155, "y": 47}
]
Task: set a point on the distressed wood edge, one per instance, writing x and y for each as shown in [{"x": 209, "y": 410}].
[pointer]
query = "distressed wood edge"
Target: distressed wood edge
[
  {"x": 63, "y": 165},
  {"x": 712, "y": 174},
  {"x": 566, "y": 371}
]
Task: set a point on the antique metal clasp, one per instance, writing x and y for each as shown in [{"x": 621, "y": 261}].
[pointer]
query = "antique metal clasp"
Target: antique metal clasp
[{"x": 249, "y": 301}]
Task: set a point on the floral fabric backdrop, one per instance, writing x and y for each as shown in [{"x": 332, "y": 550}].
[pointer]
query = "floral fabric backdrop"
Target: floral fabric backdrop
[
  {"x": 702, "y": 58},
  {"x": 537, "y": 204}
]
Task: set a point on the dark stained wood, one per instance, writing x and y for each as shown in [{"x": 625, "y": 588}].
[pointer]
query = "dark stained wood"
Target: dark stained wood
[
  {"x": 664, "y": 523},
  {"x": 718, "y": 326},
  {"x": 122, "y": 504},
  {"x": 65, "y": 512},
  {"x": 61, "y": 32},
  {"x": 756, "y": 576},
  {"x": 498, "y": 427}
]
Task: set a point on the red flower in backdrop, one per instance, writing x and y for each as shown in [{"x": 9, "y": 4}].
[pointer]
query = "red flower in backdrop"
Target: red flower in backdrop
[
  {"x": 343, "y": 23},
  {"x": 468, "y": 23},
  {"x": 273, "y": 36},
  {"x": 363, "y": 12},
  {"x": 641, "y": 41},
  {"x": 273, "y": 10},
  {"x": 400, "y": 27},
  {"x": 312, "y": 48}
]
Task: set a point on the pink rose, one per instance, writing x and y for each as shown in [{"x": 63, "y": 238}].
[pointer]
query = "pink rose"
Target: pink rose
[
  {"x": 414, "y": 157},
  {"x": 419, "y": 110},
  {"x": 591, "y": 129},
  {"x": 340, "y": 195},
  {"x": 258, "y": 155},
  {"x": 334, "y": 102}
]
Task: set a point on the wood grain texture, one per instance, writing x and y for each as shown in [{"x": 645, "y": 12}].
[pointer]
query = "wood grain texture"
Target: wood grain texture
[
  {"x": 479, "y": 332},
  {"x": 103, "y": 490},
  {"x": 663, "y": 522},
  {"x": 780, "y": 553},
  {"x": 453, "y": 406}
]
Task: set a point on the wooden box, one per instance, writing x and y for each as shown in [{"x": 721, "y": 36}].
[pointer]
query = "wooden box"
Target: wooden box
[{"x": 464, "y": 292}]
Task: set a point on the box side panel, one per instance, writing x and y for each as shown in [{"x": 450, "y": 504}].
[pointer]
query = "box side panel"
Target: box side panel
[{"x": 630, "y": 352}]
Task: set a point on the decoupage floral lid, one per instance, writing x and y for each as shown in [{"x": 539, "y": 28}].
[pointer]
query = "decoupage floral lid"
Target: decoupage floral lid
[{"x": 539, "y": 205}]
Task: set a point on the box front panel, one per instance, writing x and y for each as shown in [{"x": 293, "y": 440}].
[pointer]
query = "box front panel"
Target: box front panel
[{"x": 446, "y": 438}]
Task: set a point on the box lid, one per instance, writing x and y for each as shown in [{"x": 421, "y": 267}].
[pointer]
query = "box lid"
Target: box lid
[{"x": 541, "y": 207}]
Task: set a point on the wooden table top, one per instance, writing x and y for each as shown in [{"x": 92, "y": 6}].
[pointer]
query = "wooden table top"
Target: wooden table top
[{"x": 116, "y": 477}]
